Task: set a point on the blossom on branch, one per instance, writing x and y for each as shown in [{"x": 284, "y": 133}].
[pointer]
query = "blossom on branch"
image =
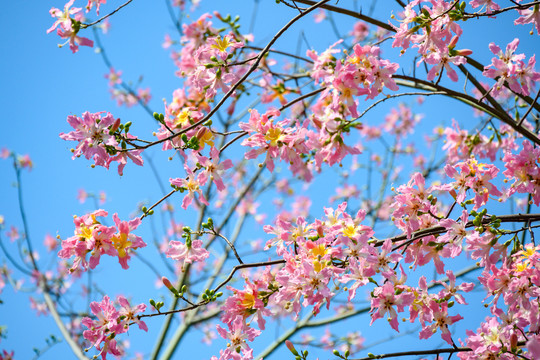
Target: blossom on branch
[
  {"x": 91, "y": 237},
  {"x": 69, "y": 27},
  {"x": 109, "y": 323},
  {"x": 99, "y": 138}
]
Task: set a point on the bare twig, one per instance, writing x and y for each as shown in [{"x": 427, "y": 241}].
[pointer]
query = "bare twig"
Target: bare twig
[
  {"x": 84, "y": 26},
  {"x": 529, "y": 109}
]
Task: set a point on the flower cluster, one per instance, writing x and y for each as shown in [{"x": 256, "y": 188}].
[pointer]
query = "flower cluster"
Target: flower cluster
[
  {"x": 97, "y": 239},
  {"x": 108, "y": 322},
  {"x": 100, "y": 138},
  {"x": 413, "y": 205},
  {"x": 517, "y": 283},
  {"x": 332, "y": 253},
  {"x": 401, "y": 121},
  {"x": 510, "y": 67},
  {"x": 438, "y": 38},
  {"x": 459, "y": 144},
  {"x": 205, "y": 55},
  {"x": 296, "y": 144},
  {"x": 530, "y": 16},
  {"x": 363, "y": 72},
  {"x": 237, "y": 334},
  {"x": 68, "y": 27},
  {"x": 475, "y": 176},
  {"x": 125, "y": 96},
  {"x": 187, "y": 253},
  {"x": 273, "y": 138},
  {"x": 321, "y": 261},
  {"x": 524, "y": 169},
  {"x": 205, "y": 169}
]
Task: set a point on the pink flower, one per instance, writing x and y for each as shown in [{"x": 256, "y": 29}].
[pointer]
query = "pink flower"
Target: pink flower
[
  {"x": 7, "y": 356},
  {"x": 443, "y": 59},
  {"x": 69, "y": 27},
  {"x": 13, "y": 234},
  {"x": 246, "y": 303},
  {"x": 524, "y": 170},
  {"x": 127, "y": 313},
  {"x": 102, "y": 197},
  {"x": 73, "y": 39},
  {"x": 40, "y": 307},
  {"x": 92, "y": 132},
  {"x": 193, "y": 186},
  {"x": 94, "y": 238},
  {"x": 220, "y": 45},
  {"x": 122, "y": 157},
  {"x": 488, "y": 339},
  {"x": 25, "y": 162},
  {"x": 319, "y": 16},
  {"x": 383, "y": 301},
  {"x": 360, "y": 31},
  {"x": 409, "y": 201},
  {"x": 489, "y": 4},
  {"x": 238, "y": 335},
  {"x": 473, "y": 175},
  {"x": 451, "y": 289},
  {"x": 533, "y": 344},
  {"x": 50, "y": 242},
  {"x": 91, "y": 3},
  {"x": 124, "y": 241},
  {"x": 4, "y": 153},
  {"x": 63, "y": 17},
  {"x": 191, "y": 251},
  {"x": 214, "y": 169},
  {"x": 509, "y": 67},
  {"x": 359, "y": 272},
  {"x": 531, "y": 15},
  {"x": 455, "y": 235},
  {"x": 527, "y": 76},
  {"x": 441, "y": 321},
  {"x": 100, "y": 243},
  {"x": 168, "y": 42},
  {"x": 114, "y": 77},
  {"x": 109, "y": 323},
  {"x": 103, "y": 330}
]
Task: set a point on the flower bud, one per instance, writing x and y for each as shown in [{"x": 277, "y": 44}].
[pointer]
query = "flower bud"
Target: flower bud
[
  {"x": 167, "y": 283},
  {"x": 290, "y": 346},
  {"x": 115, "y": 126},
  {"x": 169, "y": 286},
  {"x": 453, "y": 42},
  {"x": 513, "y": 341},
  {"x": 464, "y": 52}
]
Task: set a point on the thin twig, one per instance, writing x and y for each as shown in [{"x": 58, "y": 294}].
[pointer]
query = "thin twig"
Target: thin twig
[
  {"x": 496, "y": 12},
  {"x": 157, "y": 203},
  {"x": 440, "y": 229},
  {"x": 84, "y": 26},
  {"x": 253, "y": 67},
  {"x": 529, "y": 109},
  {"x": 351, "y": 13}
]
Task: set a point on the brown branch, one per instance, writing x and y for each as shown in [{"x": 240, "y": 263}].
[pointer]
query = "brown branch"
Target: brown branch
[
  {"x": 439, "y": 229},
  {"x": 223, "y": 283},
  {"x": 84, "y": 26},
  {"x": 496, "y": 12},
  {"x": 281, "y": 53},
  {"x": 478, "y": 66},
  {"x": 351, "y": 13},
  {"x": 529, "y": 109},
  {"x": 470, "y": 100},
  {"x": 417, "y": 352},
  {"x": 253, "y": 67}
]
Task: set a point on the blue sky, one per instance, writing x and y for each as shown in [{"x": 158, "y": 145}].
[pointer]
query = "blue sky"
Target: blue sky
[{"x": 41, "y": 85}]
